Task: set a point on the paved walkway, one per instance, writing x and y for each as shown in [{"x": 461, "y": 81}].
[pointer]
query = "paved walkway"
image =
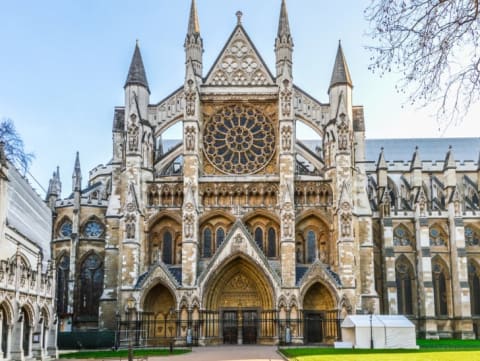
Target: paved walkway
[{"x": 226, "y": 353}]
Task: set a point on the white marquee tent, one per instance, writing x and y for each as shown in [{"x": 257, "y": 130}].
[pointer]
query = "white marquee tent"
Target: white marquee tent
[{"x": 387, "y": 331}]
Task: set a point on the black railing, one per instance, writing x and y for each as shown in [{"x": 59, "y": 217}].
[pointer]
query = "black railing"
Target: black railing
[{"x": 226, "y": 327}]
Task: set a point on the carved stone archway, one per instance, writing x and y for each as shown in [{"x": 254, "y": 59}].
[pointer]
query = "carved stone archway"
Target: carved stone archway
[{"x": 240, "y": 284}]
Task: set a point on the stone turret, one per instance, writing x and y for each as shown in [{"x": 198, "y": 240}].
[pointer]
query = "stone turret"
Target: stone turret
[
  {"x": 416, "y": 169},
  {"x": 54, "y": 189},
  {"x": 340, "y": 83}
]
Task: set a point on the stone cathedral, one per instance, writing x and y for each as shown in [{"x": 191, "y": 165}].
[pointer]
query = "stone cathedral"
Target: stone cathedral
[{"x": 240, "y": 232}]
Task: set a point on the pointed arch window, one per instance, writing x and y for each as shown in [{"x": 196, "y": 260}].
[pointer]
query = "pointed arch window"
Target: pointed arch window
[
  {"x": 440, "y": 289},
  {"x": 65, "y": 230},
  {"x": 63, "y": 271},
  {"x": 474, "y": 282},
  {"x": 272, "y": 243},
  {"x": 207, "y": 242},
  {"x": 167, "y": 251},
  {"x": 220, "y": 236},
  {"x": 437, "y": 237},
  {"x": 91, "y": 287},
  {"x": 311, "y": 246},
  {"x": 472, "y": 237},
  {"x": 259, "y": 237},
  {"x": 404, "y": 280},
  {"x": 401, "y": 237}
]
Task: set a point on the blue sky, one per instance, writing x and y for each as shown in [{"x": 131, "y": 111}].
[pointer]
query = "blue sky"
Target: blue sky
[{"x": 63, "y": 64}]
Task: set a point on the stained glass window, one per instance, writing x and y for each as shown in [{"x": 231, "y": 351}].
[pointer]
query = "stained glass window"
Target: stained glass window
[
  {"x": 220, "y": 236},
  {"x": 259, "y": 237},
  {"x": 403, "y": 277},
  {"x": 93, "y": 229},
  {"x": 311, "y": 247},
  {"x": 63, "y": 270},
  {"x": 91, "y": 287},
  {"x": 167, "y": 252},
  {"x": 272, "y": 243},
  {"x": 66, "y": 229},
  {"x": 207, "y": 242},
  {"x": 239, "y": 139}
]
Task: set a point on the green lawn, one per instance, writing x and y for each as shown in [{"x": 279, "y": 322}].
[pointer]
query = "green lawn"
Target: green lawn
[
  {"x": 121, "y": 354},
  {"x": 430, "y": 350}
]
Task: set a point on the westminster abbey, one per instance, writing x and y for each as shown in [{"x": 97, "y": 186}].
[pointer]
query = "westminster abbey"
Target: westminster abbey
[{"x": 241, "y": 233}]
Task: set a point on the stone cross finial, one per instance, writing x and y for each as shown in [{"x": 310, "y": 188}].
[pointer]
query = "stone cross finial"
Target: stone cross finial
[{"x": 239, "y": 15}]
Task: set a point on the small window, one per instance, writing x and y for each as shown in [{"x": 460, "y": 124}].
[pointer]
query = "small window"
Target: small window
[
  {"x": 259, "y": 237},
  {"x": 311, "y": 247},
  {"x": 272, "y": 243},
  {"x": 207, "y": 243},
  {"x": 220, "y": 237},
  {"x": 167, "y": 248}
]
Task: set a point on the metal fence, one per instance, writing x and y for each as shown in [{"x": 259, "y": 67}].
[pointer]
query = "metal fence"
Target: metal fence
[{"x": 226, "y": 327}]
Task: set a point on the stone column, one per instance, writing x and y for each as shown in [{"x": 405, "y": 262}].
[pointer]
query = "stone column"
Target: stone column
[
  {"x": 16, "y": 350},
  {"x": 191, "y": 166},
  {"x": 459, "y": 278},
  {"x": 389, "y": 267},
  {"x": 287, "y": 183},
  {"x": 426, "y": 299}
]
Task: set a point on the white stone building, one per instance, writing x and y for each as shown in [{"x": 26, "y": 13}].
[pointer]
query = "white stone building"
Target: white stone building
[
  {"x": 28, "y": 320},
  {"x": 242, "y": 233}
]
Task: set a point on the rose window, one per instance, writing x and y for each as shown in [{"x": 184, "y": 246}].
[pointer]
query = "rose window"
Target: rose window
[{"x": 239, "y": 140}]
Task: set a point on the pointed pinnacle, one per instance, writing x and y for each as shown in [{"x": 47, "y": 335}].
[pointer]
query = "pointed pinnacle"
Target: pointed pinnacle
[
  {"x": 77, "y": 161},
  {"x": 341, "y": 74},
  {"x": 449, "y": 159},
  {"x": 381, "y": 164},
  {"x": 136, "y": 73},
  {"x": 193, "y": 23},
  {"x": 416, "y": 161},
  {"x": 283, "y": 23}
]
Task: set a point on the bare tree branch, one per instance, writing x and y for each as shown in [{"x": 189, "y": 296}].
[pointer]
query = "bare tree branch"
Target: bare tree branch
[
  {"x": 14, "y": 148},
  {"x": 434, "y": 45}
]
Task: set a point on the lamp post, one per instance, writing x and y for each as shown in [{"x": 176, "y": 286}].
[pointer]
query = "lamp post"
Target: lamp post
[{"x": 371, "y": 329}]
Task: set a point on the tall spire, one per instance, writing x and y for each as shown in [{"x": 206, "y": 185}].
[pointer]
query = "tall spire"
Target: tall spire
[
  {"x": 341, "y": 74},
  {"x": 194, "y": 42},
  {"x": 193, "y": 23},
  {"x": 55, "y": 185},
  {"x": 136, "y": 73},
  {"x": 283, "y": 24},
  {"x": 449, "y": 160},
  {"x": 284, "y": 44},
  {"x": 77, "y": 175}
]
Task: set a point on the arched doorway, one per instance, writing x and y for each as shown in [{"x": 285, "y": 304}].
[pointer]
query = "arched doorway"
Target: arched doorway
[
  {"x": 159, "y": 316},
  {"x": 320, "y": 315},
  {"x": 4, "y": 332},
  {"x": 239, "y": 298},
  {"x": 26, "y": 335}
]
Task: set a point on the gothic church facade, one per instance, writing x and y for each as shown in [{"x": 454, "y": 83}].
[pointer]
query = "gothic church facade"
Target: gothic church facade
[{"x": 242, "y": 233}]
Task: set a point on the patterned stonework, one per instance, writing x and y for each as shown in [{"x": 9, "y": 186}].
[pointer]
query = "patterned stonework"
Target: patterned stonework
[{"x": 239, "y": 64}]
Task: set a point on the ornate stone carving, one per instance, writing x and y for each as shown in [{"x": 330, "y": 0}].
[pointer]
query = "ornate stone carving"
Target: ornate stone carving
[
  {"x": 239, "y": 139},
  {"x": 287, "y": 224},
  {"x": 239, "y": 65},
  {"x": 188, "y": 222},
  {"x": 133, "y": 134},
  {"x": 345, "y": 225},
  {"x": 190, "y": 138},
  {"x": 286, "y": 138},
  {"x": 130, "y": 221},
  {"x": 286, "y": 99},
  {"x": 190, "y": 99},
  {"x": 343, "y": 134}
]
